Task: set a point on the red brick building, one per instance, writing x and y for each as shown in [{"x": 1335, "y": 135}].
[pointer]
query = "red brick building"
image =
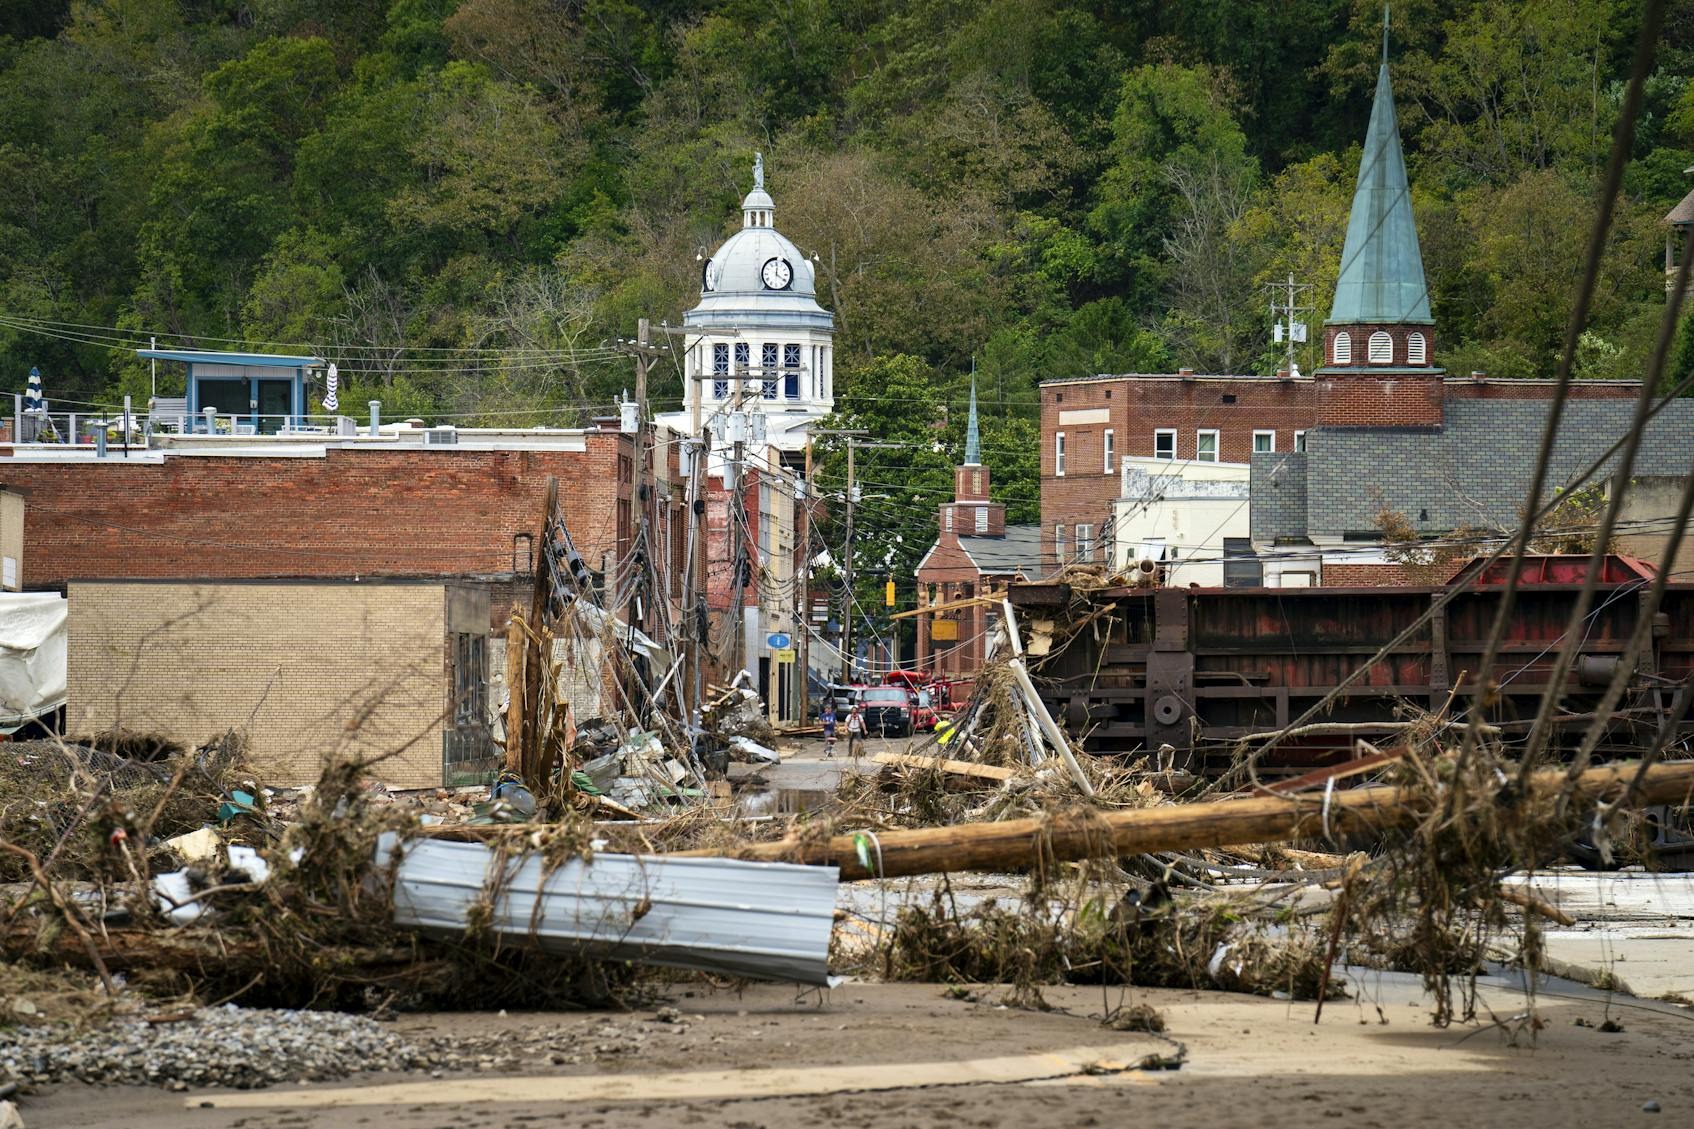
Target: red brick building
[{"x": 357, "y": 507}]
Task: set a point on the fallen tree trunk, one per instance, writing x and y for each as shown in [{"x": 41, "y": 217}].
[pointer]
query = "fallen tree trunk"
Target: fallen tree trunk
[{"x": 1083, "y": 833}]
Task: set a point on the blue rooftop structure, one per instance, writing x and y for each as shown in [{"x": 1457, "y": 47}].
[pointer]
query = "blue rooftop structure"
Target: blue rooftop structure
[
  {"x": 1381, "y": 280},
  {"x": 259, "y": 392}
]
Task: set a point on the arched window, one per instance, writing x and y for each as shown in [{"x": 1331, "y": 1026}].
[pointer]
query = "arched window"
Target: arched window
[
  {"x": 1343, "y": 348},
  {"x": 1415, "y": 354},
  {"x": 1381, "y": 348}
]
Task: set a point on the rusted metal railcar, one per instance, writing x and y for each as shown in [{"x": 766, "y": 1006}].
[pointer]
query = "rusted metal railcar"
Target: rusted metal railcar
[{"x": 1198, "y": 669}]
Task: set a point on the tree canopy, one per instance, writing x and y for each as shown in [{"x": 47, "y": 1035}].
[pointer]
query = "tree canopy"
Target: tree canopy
[{"x": 438, "y": 188}]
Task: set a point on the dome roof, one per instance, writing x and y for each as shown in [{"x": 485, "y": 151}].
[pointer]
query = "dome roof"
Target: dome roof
[
  {"x": 738, "y": 265},
  {"x": 736, "y": 288}
]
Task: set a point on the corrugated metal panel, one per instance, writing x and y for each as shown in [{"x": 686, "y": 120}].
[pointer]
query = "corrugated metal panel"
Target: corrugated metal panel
[{"x": 766, "y": 920}]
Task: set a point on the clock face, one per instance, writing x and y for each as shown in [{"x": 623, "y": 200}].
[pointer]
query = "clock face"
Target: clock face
[
  {"x": 706, "y": 275},
  {"x": 777, "y": 274}
]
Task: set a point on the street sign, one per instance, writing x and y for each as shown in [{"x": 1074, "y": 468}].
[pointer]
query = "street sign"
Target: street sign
[
  {"x": 778, "y": 641},
  {"x": 783, "y": 654}
]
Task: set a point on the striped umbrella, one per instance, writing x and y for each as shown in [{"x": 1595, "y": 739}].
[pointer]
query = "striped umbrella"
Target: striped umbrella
[
  {"x": 33, "y": 402},
  {"x": 330, "y": 381}
]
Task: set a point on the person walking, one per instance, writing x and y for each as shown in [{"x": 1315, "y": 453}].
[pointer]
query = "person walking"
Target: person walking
[
  {"x": 855, "y": 730},
  {"x": 828, "y": 719}
]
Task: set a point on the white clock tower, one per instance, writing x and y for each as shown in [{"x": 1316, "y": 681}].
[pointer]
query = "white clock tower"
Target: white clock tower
[{"x": 761, "y": 332}]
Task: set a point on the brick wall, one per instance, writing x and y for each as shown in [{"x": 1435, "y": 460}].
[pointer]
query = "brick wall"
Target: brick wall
[
  {"x": 1367, "y": 576},
  {"x": 1466, "y": 388},
  {"x": 1380, "y": 401},
  {"x": 1134, "y": 407},
  {"x": 1359, "y": 338},
  {"x": 352, "y": 512},
  {"x": 308, "y": 669}
]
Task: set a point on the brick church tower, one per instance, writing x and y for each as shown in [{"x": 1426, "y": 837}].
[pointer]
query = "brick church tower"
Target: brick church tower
[
  {"x": 970, "y": 513},
  {"x": 1379, "y": 339}
]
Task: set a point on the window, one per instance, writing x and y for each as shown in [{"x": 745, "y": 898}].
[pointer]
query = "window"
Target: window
[
  {"x": 1205, "y": 446},
  {"x": 767, "y": 357},
  {"x": 743, "y": 355},
  {"x": 1059, "y": 454},
  {"x": 976, "y": 483},
  {"x": 982, "y": 519},
  {"x": 1164, "y": 444},
  {"x": 1416, "y": 354},
  {"x": 720, "y": 367},
  {"x": 1110, "y": 447},
  {"x": 1344, "y": 348},
  {"x": 791, "y": 378},
  {"x": 1241, "y": 565},
  {"x": 1381, "y": 348},
  {"x": 1264, "y": 442},
  {"x": 1300, "y": 442},
  {"x": 1059, "y": 543},
  {"x": 1085, "y": 542}
]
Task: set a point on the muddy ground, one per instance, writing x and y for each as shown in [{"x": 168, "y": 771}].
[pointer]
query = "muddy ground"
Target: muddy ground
[{"x": 1373, "y": 1061}]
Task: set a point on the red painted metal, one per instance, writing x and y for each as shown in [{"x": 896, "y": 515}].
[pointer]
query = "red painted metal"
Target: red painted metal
[{"x": 1198, "y": 669}]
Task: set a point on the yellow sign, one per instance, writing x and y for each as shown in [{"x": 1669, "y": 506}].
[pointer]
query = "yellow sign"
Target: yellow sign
[
  {"x": 944, "y": 630},
  {"x": 783, "y": 654}
]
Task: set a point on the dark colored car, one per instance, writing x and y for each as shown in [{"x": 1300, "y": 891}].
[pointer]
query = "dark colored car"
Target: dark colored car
[{"x": 887, "y": 710}]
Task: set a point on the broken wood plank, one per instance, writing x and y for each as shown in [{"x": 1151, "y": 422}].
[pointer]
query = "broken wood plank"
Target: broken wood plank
[
  {"x": 1084, "y": 833},
  {"x": 959, "y": 768}
]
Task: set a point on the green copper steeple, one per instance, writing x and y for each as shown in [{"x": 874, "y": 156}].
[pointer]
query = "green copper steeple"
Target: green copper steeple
[
  {"x": 1381, "y": 279},
  {"x": 973, "y": 437}
]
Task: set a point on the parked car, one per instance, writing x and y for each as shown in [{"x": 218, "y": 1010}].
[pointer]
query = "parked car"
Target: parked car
[
  {"x": 846, "y": 697},
  {"x": 887, "y": 711}
]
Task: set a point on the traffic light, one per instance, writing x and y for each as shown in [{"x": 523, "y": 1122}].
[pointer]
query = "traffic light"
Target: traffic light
[{"x": 888, "y": 593}]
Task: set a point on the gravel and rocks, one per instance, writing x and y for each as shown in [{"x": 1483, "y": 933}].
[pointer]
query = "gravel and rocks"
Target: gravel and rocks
[
  {"x": 247, "y": 1048},
  {"x": 239, "y": 1048}
]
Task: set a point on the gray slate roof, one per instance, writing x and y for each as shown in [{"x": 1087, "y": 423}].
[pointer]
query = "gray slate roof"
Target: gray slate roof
[
  {"x": 1381, "y": 278},
  {"x": 1277, "y": 487},
  {"x": 1018, "y": 551},
  {"x": 1474, "y": 471}
]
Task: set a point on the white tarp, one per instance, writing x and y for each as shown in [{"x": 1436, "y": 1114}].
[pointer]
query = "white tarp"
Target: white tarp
[{"x": 32, "y": 656}]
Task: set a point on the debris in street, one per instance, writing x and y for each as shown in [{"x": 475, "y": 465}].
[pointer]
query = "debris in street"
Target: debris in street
[{"x": 764, "y": 920}]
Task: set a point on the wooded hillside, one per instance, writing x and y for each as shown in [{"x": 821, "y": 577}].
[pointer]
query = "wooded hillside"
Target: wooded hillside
[{"x": 1053, "y": 187}]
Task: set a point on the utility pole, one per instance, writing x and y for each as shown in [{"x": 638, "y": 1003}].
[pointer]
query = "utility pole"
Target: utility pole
[
  {"x": 1284, "y": 308},
  {"x": 644, "y": 351},
  {"x": 854, "y": 446},
  {"x": 803, "y": 603},
  {"x": 737, "y": 515},
  {"x": 847, "y": 572}
]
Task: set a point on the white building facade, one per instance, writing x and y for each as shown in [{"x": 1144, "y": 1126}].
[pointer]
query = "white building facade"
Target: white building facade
[{"x": 1186, "y": 517}]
